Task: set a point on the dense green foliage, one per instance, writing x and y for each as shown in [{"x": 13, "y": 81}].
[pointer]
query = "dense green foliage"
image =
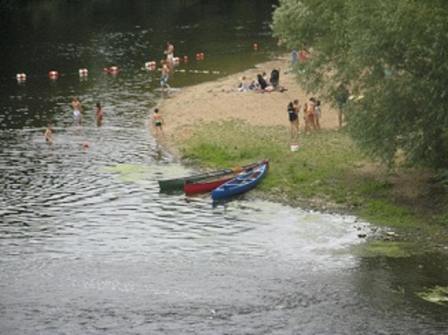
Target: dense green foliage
[{"x": 393, "y": 54}]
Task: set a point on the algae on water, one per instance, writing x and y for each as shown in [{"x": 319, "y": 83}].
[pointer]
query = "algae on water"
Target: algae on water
[
  {"x": 392, "y": 249},
  {"x": 437, "y": 295},
  {"x": 141, "y": 172}
]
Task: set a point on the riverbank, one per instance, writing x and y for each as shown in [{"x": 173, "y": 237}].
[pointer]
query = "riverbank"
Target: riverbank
[{"x": 215, "y": 125}]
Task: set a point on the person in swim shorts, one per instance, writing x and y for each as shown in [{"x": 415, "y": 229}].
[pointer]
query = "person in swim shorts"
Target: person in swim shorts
[
  {"x": 157, "y": 121},
  {"x": 165, "y": 76},
  {"x": 77, "y": 109}
]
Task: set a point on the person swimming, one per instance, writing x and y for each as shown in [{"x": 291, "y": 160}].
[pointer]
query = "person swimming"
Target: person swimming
[
  {"x": 99, "y": 114},
  {"x": 48, "y": 134},
  {"x": 77, "y": 108}
]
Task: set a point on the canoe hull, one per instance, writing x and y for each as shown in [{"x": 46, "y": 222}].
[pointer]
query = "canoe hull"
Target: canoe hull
[
  {"x": 203, "y": 187},
  {"x": 242, "y": 183},
  {"x": 177, "y": 184}
]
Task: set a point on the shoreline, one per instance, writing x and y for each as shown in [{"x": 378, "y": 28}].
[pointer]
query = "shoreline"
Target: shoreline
[
  {"x": 219, "y": 100},
  {"x": 212, "y": 124}
]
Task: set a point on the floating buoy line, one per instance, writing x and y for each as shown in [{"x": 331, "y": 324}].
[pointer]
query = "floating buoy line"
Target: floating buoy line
[{"x": 150, "y": 66}]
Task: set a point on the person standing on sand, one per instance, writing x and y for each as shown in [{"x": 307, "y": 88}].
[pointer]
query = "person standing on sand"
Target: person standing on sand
[
  {"x": 48, "y": 134},
  {"x": 157, "y": 122},
  {"x": 317, "y": 114},
  {"x": 309, "y": 115},
  {"x": 77, "y": 109},
  {"x": 341, "y": 97},
  {"x": 293, "y": 118},
  {"x": 99, "y": 114}
]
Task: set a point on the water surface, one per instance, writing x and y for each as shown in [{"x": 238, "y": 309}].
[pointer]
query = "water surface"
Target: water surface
[{"x": 88, "y": 245}]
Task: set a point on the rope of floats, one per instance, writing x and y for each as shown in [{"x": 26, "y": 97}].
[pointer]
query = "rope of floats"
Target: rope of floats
[{"x": 150, "y": 66}]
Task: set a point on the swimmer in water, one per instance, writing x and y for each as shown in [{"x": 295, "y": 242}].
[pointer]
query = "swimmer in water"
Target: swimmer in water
[
  {"x": 77, "y": 109},
  {"x": 48, "y": 135},
  {"x": 99, "y": 114},
  {"x": 165, "y": 76}
]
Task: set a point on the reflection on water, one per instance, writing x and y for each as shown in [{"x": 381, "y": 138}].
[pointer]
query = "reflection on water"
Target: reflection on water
[{"x": 89, "y": 245}]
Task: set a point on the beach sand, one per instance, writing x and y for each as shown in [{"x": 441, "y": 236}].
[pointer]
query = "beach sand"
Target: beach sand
[{"x": 218, "y": 100}]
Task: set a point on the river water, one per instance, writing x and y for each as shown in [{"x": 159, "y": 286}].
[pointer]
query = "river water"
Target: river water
[{"x": 88, "y": 245}]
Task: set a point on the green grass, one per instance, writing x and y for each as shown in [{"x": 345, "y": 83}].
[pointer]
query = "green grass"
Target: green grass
[{"x": 325, "y": 170}]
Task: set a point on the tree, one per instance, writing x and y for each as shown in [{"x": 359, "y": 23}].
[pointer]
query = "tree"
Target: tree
[{"x": 393, "y": 57}]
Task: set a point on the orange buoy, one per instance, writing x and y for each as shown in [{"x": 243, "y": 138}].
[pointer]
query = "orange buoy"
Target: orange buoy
[
  {"x": 151, "y": 66},
  {"x": 200, "y": 56},
  {"x": 21, "y": 77},
  {"x": 53, "y": 75},
  {"x": 83, "y": 72},
  {"x": 113, "y": 70}
]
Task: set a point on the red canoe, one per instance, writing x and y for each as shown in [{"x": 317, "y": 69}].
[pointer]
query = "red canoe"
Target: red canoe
[{"x": 205, "y": 186}]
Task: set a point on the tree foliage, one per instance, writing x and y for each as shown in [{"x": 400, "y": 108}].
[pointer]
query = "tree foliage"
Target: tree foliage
[{"x": 392, "y": 53}]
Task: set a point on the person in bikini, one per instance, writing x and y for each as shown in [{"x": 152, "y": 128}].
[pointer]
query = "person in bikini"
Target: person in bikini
[{"x": 309, "y": 110}]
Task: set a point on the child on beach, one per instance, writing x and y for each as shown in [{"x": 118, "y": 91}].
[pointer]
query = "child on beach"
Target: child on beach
[
  {"x": 48, "y": 134},
  {"x": 99, "y": 114},
  {"x": 157, "y": 122},
  {"x": 243, "y": 86}
]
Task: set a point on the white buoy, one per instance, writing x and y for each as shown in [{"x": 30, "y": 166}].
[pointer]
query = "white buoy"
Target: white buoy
[
  {"x": 21, "y": 77},
  {"x": 151, "y": 66},
  {"x": 83, "y": 72},
  {"x": 53, "y": 75}
]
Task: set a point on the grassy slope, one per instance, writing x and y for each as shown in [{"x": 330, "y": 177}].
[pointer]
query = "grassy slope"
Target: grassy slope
[{"x": 328, "y": 172}]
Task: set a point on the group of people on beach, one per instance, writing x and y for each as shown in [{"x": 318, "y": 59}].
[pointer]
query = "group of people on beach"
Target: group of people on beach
[
  {"x": 262, "y": 83},
  {"x": 311, "y": 115},
  {"x": 77, "y": 118}
]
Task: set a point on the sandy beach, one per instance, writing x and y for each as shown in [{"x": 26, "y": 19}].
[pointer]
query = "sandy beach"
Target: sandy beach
[{"x": 220, "y": 100}]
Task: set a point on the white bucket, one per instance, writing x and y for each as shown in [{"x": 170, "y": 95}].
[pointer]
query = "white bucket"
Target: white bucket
[{"x": 294, "y": 147}]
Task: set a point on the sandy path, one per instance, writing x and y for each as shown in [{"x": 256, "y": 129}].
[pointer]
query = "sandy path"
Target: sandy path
[{"x": 220, "y": 100}]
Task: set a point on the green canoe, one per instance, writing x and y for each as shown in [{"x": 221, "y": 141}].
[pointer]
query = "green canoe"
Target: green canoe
[{"x": 177, "y": 184}]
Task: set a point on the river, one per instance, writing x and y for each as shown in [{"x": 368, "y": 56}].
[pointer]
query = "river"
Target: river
[{"x": 88, "y": 245}]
